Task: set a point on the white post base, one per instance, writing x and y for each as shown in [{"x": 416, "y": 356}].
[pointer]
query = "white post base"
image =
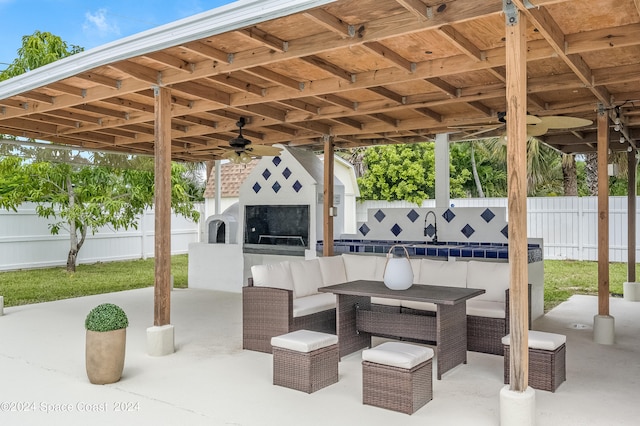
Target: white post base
[
  {"x": 604, "y": 329},
  {"x": 160, "y": 340},
  {"x": 517, "y": 408},
  {"x": 631, "y": 291},
  {"x": 1, "y": 306}
]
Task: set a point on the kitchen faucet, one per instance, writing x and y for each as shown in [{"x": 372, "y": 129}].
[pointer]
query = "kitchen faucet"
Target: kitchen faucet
[{"x": 435, "y": 226}]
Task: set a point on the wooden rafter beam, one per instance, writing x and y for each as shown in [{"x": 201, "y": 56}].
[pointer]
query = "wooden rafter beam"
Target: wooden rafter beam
[
  {"x": 330, "y": 22},
  {"x": 391, "y": 55},
  {"x": 462, "y": 43},
  {"x": 208, "y": 51},
  {"x": 544, "y": 22},
  {"x": 329, "y": 67},
  {"x": 389, "y": 94},
  {"x": 137, "y": 71},
  {"x": 417, "y": 8},
  {"x": 171, "y": 61},
  {"x": 265, "y": 38},
  {"x": 275, "y": 77}
]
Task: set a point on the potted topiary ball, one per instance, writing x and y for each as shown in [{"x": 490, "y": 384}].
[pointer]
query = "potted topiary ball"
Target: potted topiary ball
[{"x": 106, "y": 327}]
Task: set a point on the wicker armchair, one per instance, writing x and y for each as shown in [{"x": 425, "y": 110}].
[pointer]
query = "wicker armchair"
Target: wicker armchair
[{"x": 268, "y": 312}]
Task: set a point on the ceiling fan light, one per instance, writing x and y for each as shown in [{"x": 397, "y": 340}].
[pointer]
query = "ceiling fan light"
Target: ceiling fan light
[{"x": 244, "y": 158}]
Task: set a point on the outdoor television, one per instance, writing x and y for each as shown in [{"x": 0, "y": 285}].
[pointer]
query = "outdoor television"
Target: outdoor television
[{"x": 277, "y": 225}]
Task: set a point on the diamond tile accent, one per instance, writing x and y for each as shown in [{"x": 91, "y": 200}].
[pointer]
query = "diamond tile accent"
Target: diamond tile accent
[
  {"x": 413, "y": 215},
  {"x": 277, "y": 161},
  {"x": 379, "y": 215},
  {"x": 266, "y": 174},
  {"x": 297, "y": 186},
  {"x": 276, "y": 187},
  {"x": 396, "y": 229},
  {"x": 256, "y": 187},
  {"x": 505, "y": 231},
  {"x": 431, "y": 230},
  {"x": 487, "y": 215},
  {"x": 467, "y": 231},
  {"x": 286, "y": 173},
  {"x": 448, "y": 215},
  {"x": 364, "y": 229}
]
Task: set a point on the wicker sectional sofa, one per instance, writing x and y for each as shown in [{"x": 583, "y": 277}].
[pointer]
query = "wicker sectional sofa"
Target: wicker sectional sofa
[{"x": 282, "y": 297}]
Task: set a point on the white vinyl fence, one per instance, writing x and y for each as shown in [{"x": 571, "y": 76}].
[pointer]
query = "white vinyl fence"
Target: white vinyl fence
[
  {"x": 26, "y": 242},
  {"x": 567, "y": 225}
]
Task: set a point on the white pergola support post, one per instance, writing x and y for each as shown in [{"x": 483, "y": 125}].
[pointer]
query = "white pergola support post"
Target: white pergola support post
[
  {"x": 442, "y": 171},
  {"x": 631, "y": 291},
  {"x": 517, "y": 408},
  {"x": 160, "y": 340}
]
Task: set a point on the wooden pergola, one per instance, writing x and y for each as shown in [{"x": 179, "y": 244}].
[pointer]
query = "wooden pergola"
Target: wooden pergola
[{"x": 348, "y": 73}]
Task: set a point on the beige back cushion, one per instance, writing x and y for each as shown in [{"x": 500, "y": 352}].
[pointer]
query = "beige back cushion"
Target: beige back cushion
[
  {"x": 360, "y": 266},
  {"x": 443, "y": 272},
  {"x": 276, "y": 275},
  {"x": 307, "y": 277},
  {"x": 332, "y": 269},
  {"x": 491, "y": 276}
]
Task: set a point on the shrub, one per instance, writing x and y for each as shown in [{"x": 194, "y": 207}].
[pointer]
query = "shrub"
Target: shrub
[{"x": 106, "y": 317}]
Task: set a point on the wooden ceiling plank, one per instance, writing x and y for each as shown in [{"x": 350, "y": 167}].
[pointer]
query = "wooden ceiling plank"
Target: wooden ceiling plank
[
  {"x": 266, "y": 110},
  {"x": 130, "y": 104}
]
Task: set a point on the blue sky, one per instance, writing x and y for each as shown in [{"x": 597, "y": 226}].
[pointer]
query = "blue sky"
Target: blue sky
[{"x": 88, "y": 23}]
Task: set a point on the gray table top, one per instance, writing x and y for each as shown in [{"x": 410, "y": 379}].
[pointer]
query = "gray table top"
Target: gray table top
[{"x": 417, "y": 292}]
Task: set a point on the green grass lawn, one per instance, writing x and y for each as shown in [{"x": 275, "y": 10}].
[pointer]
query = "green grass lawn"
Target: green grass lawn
[
  {"x": 562, "y": 279},
  {"x": 43, "y": 285}
]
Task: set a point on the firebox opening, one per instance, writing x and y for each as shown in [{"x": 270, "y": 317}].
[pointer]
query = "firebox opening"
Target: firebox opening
[{"x": 275, "y": 228}]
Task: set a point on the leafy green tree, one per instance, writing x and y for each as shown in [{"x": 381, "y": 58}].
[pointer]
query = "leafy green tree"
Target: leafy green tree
[
  {"x": 86, "y": 198},
  {"x": 38, "y": 49},
  {"x": 405, "y": 172}
]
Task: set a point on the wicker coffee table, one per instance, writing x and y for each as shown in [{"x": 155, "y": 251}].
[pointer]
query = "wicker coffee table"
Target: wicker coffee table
[{"x": 447, "y": 329}]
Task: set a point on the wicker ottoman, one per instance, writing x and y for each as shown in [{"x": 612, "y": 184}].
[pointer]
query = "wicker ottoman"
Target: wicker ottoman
[
  {"x": 397, "y": 376},
  {"x": 305, "y": 360},
  {"x": 547, "y": 364}
]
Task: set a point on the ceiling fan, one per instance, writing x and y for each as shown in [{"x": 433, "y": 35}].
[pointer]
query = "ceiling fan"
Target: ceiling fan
[
  {"x": 242, "y": 152},
  {"x": 536, "y": 126}
]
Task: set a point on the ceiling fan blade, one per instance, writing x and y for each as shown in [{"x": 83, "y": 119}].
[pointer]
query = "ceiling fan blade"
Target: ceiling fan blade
[
  {"x": 532, "y": 119},
  {"x": 536, "y": 129},
  {"x": 263, "y": 150},
  {"x": 563, "y": 122}
]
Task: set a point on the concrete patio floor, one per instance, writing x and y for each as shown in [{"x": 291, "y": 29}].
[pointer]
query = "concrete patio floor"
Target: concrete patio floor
[{"x": 210, "y": 380}]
